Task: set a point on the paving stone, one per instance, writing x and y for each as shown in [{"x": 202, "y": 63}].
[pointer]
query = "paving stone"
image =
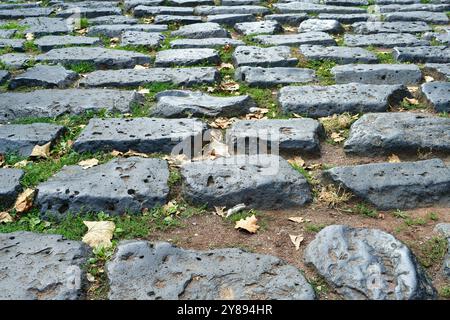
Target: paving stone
[
  {"x": 302, "y": 7},
  {"x": 146, "y": 11},
  {"x": 186, "y": 57},
  {"x": 115, "y": 30},
  {"x": 44, "y": 76},
  {"x": 331, "y": 26},
  {"x": 100, "y": 57},
  {"x": 130, "y": 4},
  {"x": 24, "y": 13},
  {"x": 114, "y": 19},
  {"x": 4, "y": 76},
  {"x": 398, "y": 132},
  {"x": 435, "y": 54},
  {"x": 390, "y": 27},
  {"x": 402, "y": 185},
  {"x": 87, "y": 12},
  {"x": 426, "y": 16},
  {"x": 338, "y": 54},
  {"x": 438, "y": 95},
  {"x": 259, "y": 27},
  {"x": 386, "y": 269},
  {"x": 22, "y": 138},
  {"x": 412, "y": 7},
  {"x": 267, "y": 77},
  {"x": 239, "y": 2},
  {"x": 319, "y": 38},
  {"x": 48, "y": 43},
  {"x": 264, "y": 57},
  {"x": 286, "y": 135},
  {"x": 406, "y": 74},
  {"x": 444, "y": 230},
  {"x": 210, "y": 10},
  {"x": 139, "y": 266},
  {"x": 230, "y": 19},
  {"x": 184, "y": 103},
  {"x": 345, "y": 18},
  {"x": 133, "y": 78},
  {"x": 10, "y": 186},
  {"x": 4, "y": 6},
  {"x": 205, "y": 43},
  {"x": 201, "y": 31},
  {"x": 15, "y": 60},
  {"x": 443, "y": 38},
  {"x": 383, "y": 40},
  {"x": 345, "y": 3},
  {"x": 139, "y": 38},
  {"x": 7, "y": 33},
  {"x": 439, "y": 71},
  {"x": 290, "y": 19},
  {"x": 386, "y": 2},
  {"x": 42, "y": 267},
  {"x": 50, "y": 103},
  {"x": 189, "y": 3},
  {"x": 259, "y": 181},
  {"x": 166, "y": 19},
  {"x": 42, "y": 26},
  {"x": 323, "y": 101},
  {"x": 120, "y": 186},
  {"x": 14, "y": 44}
]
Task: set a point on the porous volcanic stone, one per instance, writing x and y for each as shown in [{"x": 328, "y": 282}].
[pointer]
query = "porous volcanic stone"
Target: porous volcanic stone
[
  {"x": 345, "y": 18},
  {"x": 390, "y": 27},
  {"x": 383, "y": 40},
  {"x": 145, "y": 11},
  {"x": 230, "y": 19},
  {"x": 438, "y": 95},
  {"x": 115, "y": 30},
  {"x": 444, "y": 230},
  {"x": 401, "y": 185},
  {"x": 42, "y": 26},
  {"x": 149, "y": 271},
  {"x": 338, "y": 54},
  {"x": 14, "y": 44},
  {"x": 435, "y": 54},
  {"x": 114, "y": 19},
  {"x": 426, "y": 16},
  {"x": 259, "y": 27},
  {"x": 201, "y": 31},
  {"x": 266, "y": 77},
  {"x": 320, "y": 38},
  {"x": 87, "y": 12},
  {"x": 264, "y": 57},
  {"x": 21, "y": 13},
  {"x": 368, "y": 264},
  {"x": 205, "y": 43},
  {"x": 210, "y": 10},
  {"x": 186, "y": 57},
  {"x": 10, "y": 186},
  {"x": 140, "y": 38},
  {"x": 290, "y": 19},
  {"x": 166, "y": 19},
  {"x": 47, "y": 43},
  {"x": 324, "y": 25},
  {"x": 44, "y": 76},
  {"x": 301, "y": 7},
  {"x": 4, "y": 75},
  {"x": 15, "y": 60}
]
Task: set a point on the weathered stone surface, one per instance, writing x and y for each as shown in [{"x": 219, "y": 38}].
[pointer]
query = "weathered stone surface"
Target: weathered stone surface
[
  {"x": 4, "y": 76},
  {"x": 145, "y": 11},
  {"x": 201, "y": 31},
  {"x": 390, "y": 27},
  {"x": 166, "y": 19},
  {"x": 24, "y": 12},
  {"x": 280, "y": 56},
  {"x": 10, "y": 186},
  {"x": 444, "y": 230},
  {"x": 42, "y": 26},
  {"x": 412, "y": 7},
  {"x": 239, "y": 2},
  {"x": 290, "y": 19},
  {"x": 331, "y": 26},
  {"x": 134, "y": 77},
  {"x": 116, "y": 187},
  {"x": 294, "y": 7},
  {"x": 426, "y": 16},
  {"x": 320, "y": 38},
  {"x": 259, "y": 27},
  {"x": 148, "y": 135},
  {"x": 205, "y": 43},
  {"x": 183, "y": 103},
  {"x": 401, "y": 185},
  {"x": 49, "y": 103},
  {"x": 383, "y": 40},
  {"x": 438, "y": 95},
  {"x": 345, "y": 18},
  {"x": 286, "y": 135},
  {"x": 15, "y": 44},
  {"x": 47, "y": 43},
  {"x": 115, "y": 30},
  {"x": 386, "y": 269},
  {"x": 323, "y": 101},
  {"x": 7, "y": 33},
  {"x": 439, "y": 71},
  {"x": 436, "y": 54},
  {"x": 338, "y": 54},
  {"x": 87, "y": 12},
  {"x": 266, "y": 77},
  {"x": 186, "y": 57},
  {"x": 378, "y": 73},
  {"x": 100, "y": 57},
  {"x": 44, "y": 76},
  {"x": 139, "y": 38},
  {"x": 188, "y": 3},
  {"x": 145, "y": 271},
  {"x": 398, "y": 132},
  {"x": 130, "y": 4},
  {"x": 230, "y": 19},
  {"x": 42, "y": 267},
  {"x": 112, "y": 20},
  {"x": 15, "y": 60},
  {"x": 259, "y": 181},
  {"x": 245, "y": 9}
]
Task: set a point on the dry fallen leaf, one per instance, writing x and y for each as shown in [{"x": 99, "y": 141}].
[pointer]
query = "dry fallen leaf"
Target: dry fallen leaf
[
  {"x": 412, "y": 101},
  {"x": 21, "y": 164},
  {"x": 129, "y": 153},
  {"x": 220, "y": 211},
  {"x": 139, "y": 67},
  {"x": 86, "y": 164},
  {"x": 2, "y": 160},
  {"x": 248, "y": 224},
  {"x": 428, "y": 79},
  {"x": 143, "y": 91},
  {"x": 24, "y": 201},
  {"x": 393, "y": 158},
  {"x": 99, "y": 233},
  {"x": 5, "y": 217},
  {"x": 41, "y": 151},
  {"x": 231, "y": 86},
  {"x": 224, "y": 65},
  {"x": 176, "y": 160},
  {"x": 221, "y": 123},
  {"x": 336, "y": 136},
  {"x": 296, "y": 240},
  {"x": 29, "y": 36},
  {"x": 297, "y": 161},
  {"x": 297, "y": 219}
]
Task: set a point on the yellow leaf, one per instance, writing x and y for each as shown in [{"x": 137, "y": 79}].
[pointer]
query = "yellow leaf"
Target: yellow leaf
[
  {"x": 297, "y": 219},
  {"x": 5, "y": 217},
  {"x": 25, "y": 200},
  {"x": 86, "y": 164},
  {"x": 21, "y": 164},
  {"x": 296, "y": 240},
  {"x": 248, "y": 224},
  {"x": 336, "y": 136},
  {"x": 41, "y": 151},
  {"x": 412, "y": 101},
  {"x": 99, "y": 233},
  {"x": 393, "y": 158},
  {"x": 297, "y": 161}
]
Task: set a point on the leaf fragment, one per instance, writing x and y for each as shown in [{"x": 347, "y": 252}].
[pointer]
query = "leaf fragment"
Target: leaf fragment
[
  {"x": 41, "y": 151},
  {"x": 296, "y": 240},
  {"x": 5, "y": 217},
  {"x": 99, "y": 233},
  {"x": 249, "y": 224},
  {"x": 89, "y": 163},
  {"x": 24, "y": 201}
]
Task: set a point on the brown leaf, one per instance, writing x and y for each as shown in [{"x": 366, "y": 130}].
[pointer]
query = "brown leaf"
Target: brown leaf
[
  {"x": 297, "y": 219},
  {"x": 393, "y": 158},
  {"x": 248, "y": 224},
  {"x": 41, "y": 151},
  {"x": 86, "y": 164},
  {"x": 412, "y": 101},
  {"x": 297, "y": 161},
  {"x": 296, "y": 240},
  {"x": 230, "y": 86},
  {"x": 176, "y": 160},
  {"x": 221, "y": 123},
  {"x": 21, "y": 164},
  {"x": 428, "y": 79},
  {"x": 336, "y": 136},
  {"x": 99, "y": 233},
  {"x": 24, "y": 201},
  {"x": 220, "y": 211},
  {"x": 5, "y": 217},
  {"x": 224, "y": 65},
  {"x": 2, "y": 160}
]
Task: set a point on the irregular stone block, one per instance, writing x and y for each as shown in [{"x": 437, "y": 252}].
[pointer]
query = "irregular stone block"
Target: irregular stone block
[
  {"x": 186, "y": 57},
  {"x": 115, "y": 30},
  {"x": 345, "y": 18},
  {"x": 205, "y": 43},
  {"x": 320, "y": 38},
  {"x": 383, "y": 40},
  {"x": 302, "y": 7},
  {"x": 145, "y": 11},
  {"x": 10, "y": 186},
  {"x": 436, "y": 54},
  {"x": 87, "y": 12},
  {"x": 4, "y": 76},
  {"x": 259, "y": 27},
  {"x": 412, "y": 7},
  {"x": 14, "y": 44},
  {"x": 139, "y": 38},
  {"x": 44, "y": 76},
  {"x": 390, "y": 27},
  {"x": 310, "y": 25},
  {"x": 290, "y": 19},
  {"x": 42, "y": 26},
  {"x": 267, "y": 77},
  {"x": 112, "y": 20},
  {"x": 426, "y": 16},
  {"x": 15, "y": 60},
  {"x": 210, "y": 10},
  {"x": 201, "y": 31},
  {"x": 47, "y": 43},
  {"x": 230, "y": 19},
  {"x": 130, "y": 4},
  {"x": 438, "y": 95},
  {"x": 21, "y": 13},
  {"x": 340, "y": 55},
  {"x": 166, "y": 19},
  {"x": 264, "y": 57}
]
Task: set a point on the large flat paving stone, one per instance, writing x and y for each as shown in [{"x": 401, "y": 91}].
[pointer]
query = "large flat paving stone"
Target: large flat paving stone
[
  {"x": 425, "y": 16},
  {"x": 201, "y": 31},
  {"x": 383, "y": 40},
  {"x": 314, "y": 37},
  {"x": 114, "y": 19},
  {"x": 140, "y": 38},
  {"x": 304, "y": 7},
  {"x": 138, "y": 77},
  {"x": 258, "y": 27},
  {"x": 438, "y": 95},
  {"x": 390, "y": 27},
  {"x": 401, "y": 185},
  {"x": 346, "y": 18},
  {"x": 14, "y": 44},
  {"x": 48, "y": 43},
  {"x": 230, "y": 19},
  {"x": 130, "y": 4},
  {"x": 244, "y": 9},
  {"x": 377, "y": 73},
  {"x": 324, "y": 25},
  {"x": 44, "y": 76},
  {"x": 100, "y": 57},
  {"x": 147, "y": 135},
  {"x": 423, "y": 54},
  {"x": 338, "y": 54},
  {"x": 412, "y": 7},
  {"x": 141, "y": 270},
  {"x": 398, "y": 132},
  {"x": 88, "y": 12},
  {"x": 15, "y": 60},
  {"x": 253, "y": 56},
  {"x": 22, "y": 138},
  {"x": 21, "y": 13},
  {"x": 115, "y": 30},
  {"x": 186, "y": 57},
  {"x": 146, "y": 11},
  {"x": 205, "y": 43},
  {"x": 286, "y": 135},
  {"x": 267, "y": 77},
  {"x": 168, "y": 19},
  {"x": 289, "y": 19},
  {"x": 42, "y": 267},
  {"x": 10, "y": 186},
  {"x": 323, "y": 101},
  {"x": 120, "y": 186},
  {"x": 368, "y": 264},
  {"x": 42, "y": 26},
  {"x": 259, "y": 181},
  {"x": 184, "y": 103},
  {"x": 56, "y": 102}
]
